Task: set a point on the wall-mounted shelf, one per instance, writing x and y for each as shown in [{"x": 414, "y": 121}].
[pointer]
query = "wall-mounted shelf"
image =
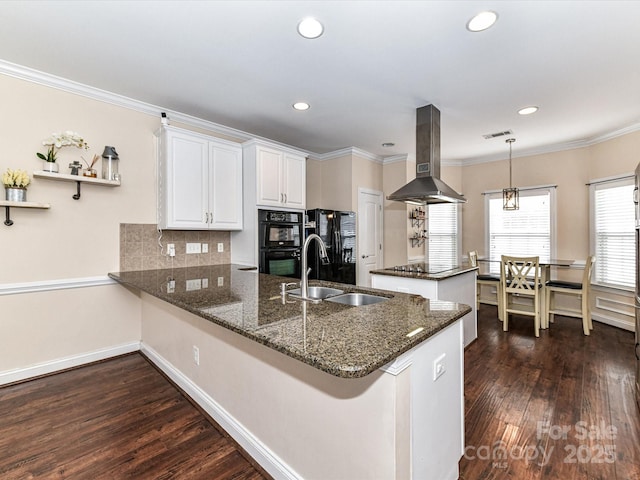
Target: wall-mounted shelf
[
  {"x": 417, "y": 222},
  {"x": 79, "y": 179},
  {"x": 7, "y": 206},
  {"x": 417, "y": 241}
]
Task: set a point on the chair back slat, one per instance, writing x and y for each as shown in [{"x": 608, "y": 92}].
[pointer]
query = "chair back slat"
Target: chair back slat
[
  {"x": 588, "y": 271},
  {"x": 520, "y": 274}
]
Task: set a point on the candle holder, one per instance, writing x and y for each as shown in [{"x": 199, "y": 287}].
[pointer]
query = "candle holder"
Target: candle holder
[{"x": 110, "y": 164}]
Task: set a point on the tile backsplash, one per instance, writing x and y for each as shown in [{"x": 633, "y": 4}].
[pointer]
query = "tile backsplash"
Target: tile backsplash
[{"x": 143, "y": 247}]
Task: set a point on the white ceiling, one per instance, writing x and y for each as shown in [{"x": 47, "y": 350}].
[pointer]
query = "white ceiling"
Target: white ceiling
[{"x": 242, "y": 64}]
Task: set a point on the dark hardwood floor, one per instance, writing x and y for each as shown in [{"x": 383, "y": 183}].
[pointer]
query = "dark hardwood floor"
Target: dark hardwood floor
[
  {"x": 561, "y": 406},
  {"x": 117, "y": 419}
]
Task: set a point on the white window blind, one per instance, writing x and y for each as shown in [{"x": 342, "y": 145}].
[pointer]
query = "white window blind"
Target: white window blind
[
  {"x": 443, "y": 234},
  {"x": 613, "y": 234},
  {"x": 524, "y": 232}
]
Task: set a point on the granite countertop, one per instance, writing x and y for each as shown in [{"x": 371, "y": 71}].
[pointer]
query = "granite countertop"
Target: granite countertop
[
  {"x": 341, "y": 340},
  {"x": 430, "y": 273}
]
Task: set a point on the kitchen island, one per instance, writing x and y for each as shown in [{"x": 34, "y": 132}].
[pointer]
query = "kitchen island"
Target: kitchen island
[
  {"x": 456, "y": 283},
  {"x": 311, "y": 390}
]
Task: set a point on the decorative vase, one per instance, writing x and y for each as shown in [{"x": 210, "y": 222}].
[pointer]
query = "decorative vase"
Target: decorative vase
[
  {"x": 15, "y": 194},
  {"x": 51, "y": 167}
]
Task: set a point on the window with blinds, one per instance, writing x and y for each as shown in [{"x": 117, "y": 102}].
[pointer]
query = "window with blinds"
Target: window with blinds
[
  {"x": 525, "y": 232},
  {"x": 613, "y": 235},
  {"x": 444, "y": 243}
]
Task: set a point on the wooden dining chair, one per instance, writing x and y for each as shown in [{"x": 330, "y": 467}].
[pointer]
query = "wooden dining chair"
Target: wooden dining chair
[
  {"x": 581, "y": 290},
  {"x": 520, "y": 279},
  {"x": 488, "y": 280}
]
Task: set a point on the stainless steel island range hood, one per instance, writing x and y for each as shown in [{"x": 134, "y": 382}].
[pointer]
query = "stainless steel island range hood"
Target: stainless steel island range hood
[{"x": 427, "y": 188}]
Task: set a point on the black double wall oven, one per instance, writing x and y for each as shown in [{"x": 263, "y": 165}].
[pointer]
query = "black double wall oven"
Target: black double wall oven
[{"x": 280, "y": 235}]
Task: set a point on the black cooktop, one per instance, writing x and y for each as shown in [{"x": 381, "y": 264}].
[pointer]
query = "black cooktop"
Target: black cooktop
[{"x": 421, "y": 267}]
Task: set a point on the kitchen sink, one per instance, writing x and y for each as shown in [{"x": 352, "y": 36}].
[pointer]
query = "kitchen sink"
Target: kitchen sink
[
  {"x": 319, "y": 293},
  {"x": 357, "y": 299}
]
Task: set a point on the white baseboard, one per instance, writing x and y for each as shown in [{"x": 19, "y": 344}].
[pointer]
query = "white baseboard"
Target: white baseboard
[
  {"x": 52, "y": 366},
  {"x": 614, "y": 322},
  {"x": 253, "y": 446}
]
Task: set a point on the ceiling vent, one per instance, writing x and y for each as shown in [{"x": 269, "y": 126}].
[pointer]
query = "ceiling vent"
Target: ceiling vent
[{"x": 489, "y": 136}]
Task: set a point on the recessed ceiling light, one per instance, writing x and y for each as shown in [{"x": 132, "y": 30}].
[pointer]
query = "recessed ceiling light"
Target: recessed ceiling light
[
  {"x": 301, "y": 106},
  {"x": 310, "y": 28},
  {"x": 482, "y": 21},
  {"x": 388, "y": 144},
  {"x": 528, "y": 110}
]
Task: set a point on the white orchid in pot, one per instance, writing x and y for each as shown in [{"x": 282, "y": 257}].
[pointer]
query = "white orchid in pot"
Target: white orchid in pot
[
  {"x": 55, "y": 142},
  {"x": 15, "y": 183}
]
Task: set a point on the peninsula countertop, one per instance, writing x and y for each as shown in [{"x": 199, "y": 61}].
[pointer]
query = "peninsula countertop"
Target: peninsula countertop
[
  {"x": 425, "y": 271},
  {"x": 342, "y": 340}
]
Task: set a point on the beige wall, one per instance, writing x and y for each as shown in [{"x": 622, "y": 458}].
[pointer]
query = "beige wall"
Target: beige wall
[
  {"x": 74, "y": 241},
  {"x": 74, "y": 238},
  {"x": 396, "y": 244},
  {"x": 364, "y": 174},
  {"x": 336, "y": 184},
  {"x": 314, "y": 184},
  {"x": 570, "y": 170}
]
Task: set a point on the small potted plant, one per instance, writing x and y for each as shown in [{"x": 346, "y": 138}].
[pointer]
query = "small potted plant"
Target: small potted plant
[
  {"x": 15, "y": 185},
  {"x": 55, "y": 142}
]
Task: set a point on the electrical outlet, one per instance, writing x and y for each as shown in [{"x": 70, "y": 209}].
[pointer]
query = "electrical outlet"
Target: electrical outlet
[
  {"x": 220, "y": 247},
  {"x": 194, "y": 284},
  {"x": 171, "y": 286},
  {"x": 171, "y": 250},
  {"x": 193, "y": 248},
  {"x": 196, "y": 355},
  {"x": 205, "y": 248},
  {"x": 205, "y": 283},
  {"x": 439, "y": 366},
  {"x": 220, "y": 281}
]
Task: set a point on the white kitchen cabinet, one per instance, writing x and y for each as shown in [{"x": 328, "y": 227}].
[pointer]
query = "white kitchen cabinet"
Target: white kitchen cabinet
[
  {"x": 280, "y": 177},
  {"x": 200, "y": 181},
  {"x": 274, "y": 178}
]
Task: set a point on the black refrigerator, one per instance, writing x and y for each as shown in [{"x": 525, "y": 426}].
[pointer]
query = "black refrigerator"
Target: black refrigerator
[{"x": 338, "y": 231}]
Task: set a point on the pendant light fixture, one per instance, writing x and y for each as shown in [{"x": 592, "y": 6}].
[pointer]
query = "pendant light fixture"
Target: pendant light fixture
[{"x": 511, "y": 195}]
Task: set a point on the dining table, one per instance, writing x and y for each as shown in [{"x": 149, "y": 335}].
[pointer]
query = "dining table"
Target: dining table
[{"x": 545, "y": 276}]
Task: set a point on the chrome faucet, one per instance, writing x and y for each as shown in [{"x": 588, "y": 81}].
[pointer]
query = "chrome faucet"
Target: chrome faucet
[{"x": 324, "y": 258}]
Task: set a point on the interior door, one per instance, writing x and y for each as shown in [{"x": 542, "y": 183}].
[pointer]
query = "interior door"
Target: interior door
[{"x": 369, "y": 234}]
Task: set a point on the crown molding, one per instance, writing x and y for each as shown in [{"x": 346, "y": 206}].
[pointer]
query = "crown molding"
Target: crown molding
[
  {"x": 59, "y": 83},
  {"x": 556, "y": 147},
  {"x": 48, "y": 80},
  {"x": 345, "y": 152}
]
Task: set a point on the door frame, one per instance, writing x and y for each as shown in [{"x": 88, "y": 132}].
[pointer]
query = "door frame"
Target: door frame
[{"x": 380, "y": 261}]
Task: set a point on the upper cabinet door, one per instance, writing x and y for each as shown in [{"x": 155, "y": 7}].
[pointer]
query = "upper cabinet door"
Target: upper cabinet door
[
  {"x": 269, "y": 177},
  {"x": 186, "y": 181},
  {"x": 226, "y": 171},
  {"x": 294, "y": 181},
  {"x": 199, "y": 181}
]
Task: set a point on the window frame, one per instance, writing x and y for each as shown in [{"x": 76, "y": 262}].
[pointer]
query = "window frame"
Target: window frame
[
  {"x": 608, "y": 182},
  {"x": 527, "y": 191},
  {"x": 458, "y": 237}
]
